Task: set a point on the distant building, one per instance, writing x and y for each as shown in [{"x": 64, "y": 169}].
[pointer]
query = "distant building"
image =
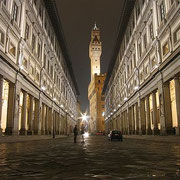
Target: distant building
[
  {"x": 96, "y": 100},
  {"x": 38, "y": 92}
]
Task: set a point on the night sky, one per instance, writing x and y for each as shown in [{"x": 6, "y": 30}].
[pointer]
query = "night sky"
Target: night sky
[{"x": 78, "y": 18}]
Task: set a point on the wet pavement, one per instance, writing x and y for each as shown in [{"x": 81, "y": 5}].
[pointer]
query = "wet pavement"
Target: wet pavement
[{"x": 97, "y": 158}]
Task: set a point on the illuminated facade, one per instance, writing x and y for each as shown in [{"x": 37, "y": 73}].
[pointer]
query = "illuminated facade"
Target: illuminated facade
[
  {"x": 142, "y": 93},
  {"x": 96, "y": 100},
  {"x": 38, "y": 93}
]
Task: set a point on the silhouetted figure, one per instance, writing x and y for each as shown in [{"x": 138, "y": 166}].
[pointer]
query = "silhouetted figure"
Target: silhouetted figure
[{"x": 75, "y": 133}]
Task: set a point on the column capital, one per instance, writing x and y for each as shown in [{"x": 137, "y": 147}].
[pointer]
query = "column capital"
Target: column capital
[
  {"x": 147, "y": 96},
  {"x": 11, "y": 84},
  {"x": 177, "y": 77},
  {"x": 166, "y": 83},
  {"x": 154, "y": 91}
]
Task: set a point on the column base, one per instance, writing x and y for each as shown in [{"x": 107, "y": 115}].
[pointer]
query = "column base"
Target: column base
[
  {"x": 142, "y": 132},
  {"x": 148, "y": 132},
  {"x": 35, "y": 132},
  {"x": 29, "y": 132},
  {"x": 39, "y": 132},
  {"x": 43, "y": 132},
  {"x": 47, "y": 132},
  {"x": 137, "y": 132},
  {"x": 171, "y": 131},
  {"x": 15, "y": 133},
  {"x": 130, "y": 132},
  {"x": 8, "y": 131},
  {"x": 177, "y": 129},
  {"x": 156, "y": 132},
  {"x": 23, "y": 132},
  {"x": 1, "y": 132}
]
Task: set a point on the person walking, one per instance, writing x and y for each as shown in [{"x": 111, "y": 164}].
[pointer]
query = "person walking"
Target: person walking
[{"x": 75, "y": 133}]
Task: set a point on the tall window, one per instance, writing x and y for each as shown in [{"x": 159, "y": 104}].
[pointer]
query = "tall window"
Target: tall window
[
  {"x": 165, "y": 48},
  {"x": 33, "y": 41},
  {"x": 145, "y": 41},
  {"x": 151, "y": 31},
  {"x": 41, "y": 12},
  {"x": 134, "y": 58},
  {"x": 2, "y": 37},
  {"x": 176, "y": 35},
  {"x": 5, "y": 2},
  {"x": 15, "y": 12},
  {"x": 45, "y": 61},
  {"x": 162, "y": 10},
  {"x": 140, "y": 50},
  {"x": 12, "y": 49},
  {"x": 27, "y": 32},
  {"x": 39, "y": 50},
  {"x": 137, "y": 10}
]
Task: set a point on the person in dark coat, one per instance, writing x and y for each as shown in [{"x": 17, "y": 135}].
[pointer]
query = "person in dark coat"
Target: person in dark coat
[{"x": 75, "y": 133}]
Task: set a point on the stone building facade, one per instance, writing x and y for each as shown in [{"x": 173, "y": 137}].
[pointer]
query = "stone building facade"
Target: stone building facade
[
  {"x": 96, "y": 99},
  {"x": 142, "y": 94},
  {"x": 38, "y": 92}
]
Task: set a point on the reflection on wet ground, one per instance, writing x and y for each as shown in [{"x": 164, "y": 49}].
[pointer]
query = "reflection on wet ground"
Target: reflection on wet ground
[{"x": 97, "y": 158}]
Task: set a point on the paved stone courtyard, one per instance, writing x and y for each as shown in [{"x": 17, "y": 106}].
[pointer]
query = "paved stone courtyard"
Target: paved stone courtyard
[{"x": 97, "y": 158}]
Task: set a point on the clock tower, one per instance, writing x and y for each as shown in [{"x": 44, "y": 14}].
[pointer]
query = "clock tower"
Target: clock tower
[
  {"x": 95, "y": 50},
  {"x": 96, "y": 99}
]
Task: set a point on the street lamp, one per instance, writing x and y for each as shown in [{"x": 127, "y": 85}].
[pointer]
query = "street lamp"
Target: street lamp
[{"x": 84, "y": 117}]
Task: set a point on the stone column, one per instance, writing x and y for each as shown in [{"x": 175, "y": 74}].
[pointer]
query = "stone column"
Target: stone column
[
  {"x": 30, "y": 115},
  {"x": 59, "y": 123},
  {"x": 142, "y": 120},
  {"x": 117, "y": 124},
  {"x": 10, "y": 111},
  {"x": 54, "y": 122},
  {"x": 47, "y": 121},
  {"x": 50, "y": 119},
  {"x": 122, "y": 122},
  {"x": 1, "y": 96},
  {"x": 23, "y": 116},
  {"x": 177, "y": 93},
  {"x": 43, "y": 120},
  {"x": 36, "y": 117},
  {"x": 132, "y": 119},
  {"x": 154, "y": 104},
  {"x": 148, "y": 122},
  {"x": 137, "y": 118},
  {"x": 167, "y": 108}
]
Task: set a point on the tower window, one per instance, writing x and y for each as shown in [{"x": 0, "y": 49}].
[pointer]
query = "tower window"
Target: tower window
[{"x": 96, "y": 66}]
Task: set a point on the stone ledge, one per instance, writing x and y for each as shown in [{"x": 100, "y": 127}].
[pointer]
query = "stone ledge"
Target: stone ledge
[
  {"x": 13, "y": 139},
  {"x": 157, "y": 138}
]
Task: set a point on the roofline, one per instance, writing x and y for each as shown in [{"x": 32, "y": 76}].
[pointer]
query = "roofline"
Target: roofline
[
  {"x": 123, "y": 22},
  {"x": 56, "y": 22}
]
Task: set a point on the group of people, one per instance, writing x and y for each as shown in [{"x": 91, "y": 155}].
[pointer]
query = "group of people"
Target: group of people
[{"x": 76, "y": 132}]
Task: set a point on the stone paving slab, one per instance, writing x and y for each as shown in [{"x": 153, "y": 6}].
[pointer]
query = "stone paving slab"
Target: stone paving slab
[
  {"x": 157, "y": 138},
  {"x": 10, "y": 139},
  {"x": 96, "y": 158}
]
